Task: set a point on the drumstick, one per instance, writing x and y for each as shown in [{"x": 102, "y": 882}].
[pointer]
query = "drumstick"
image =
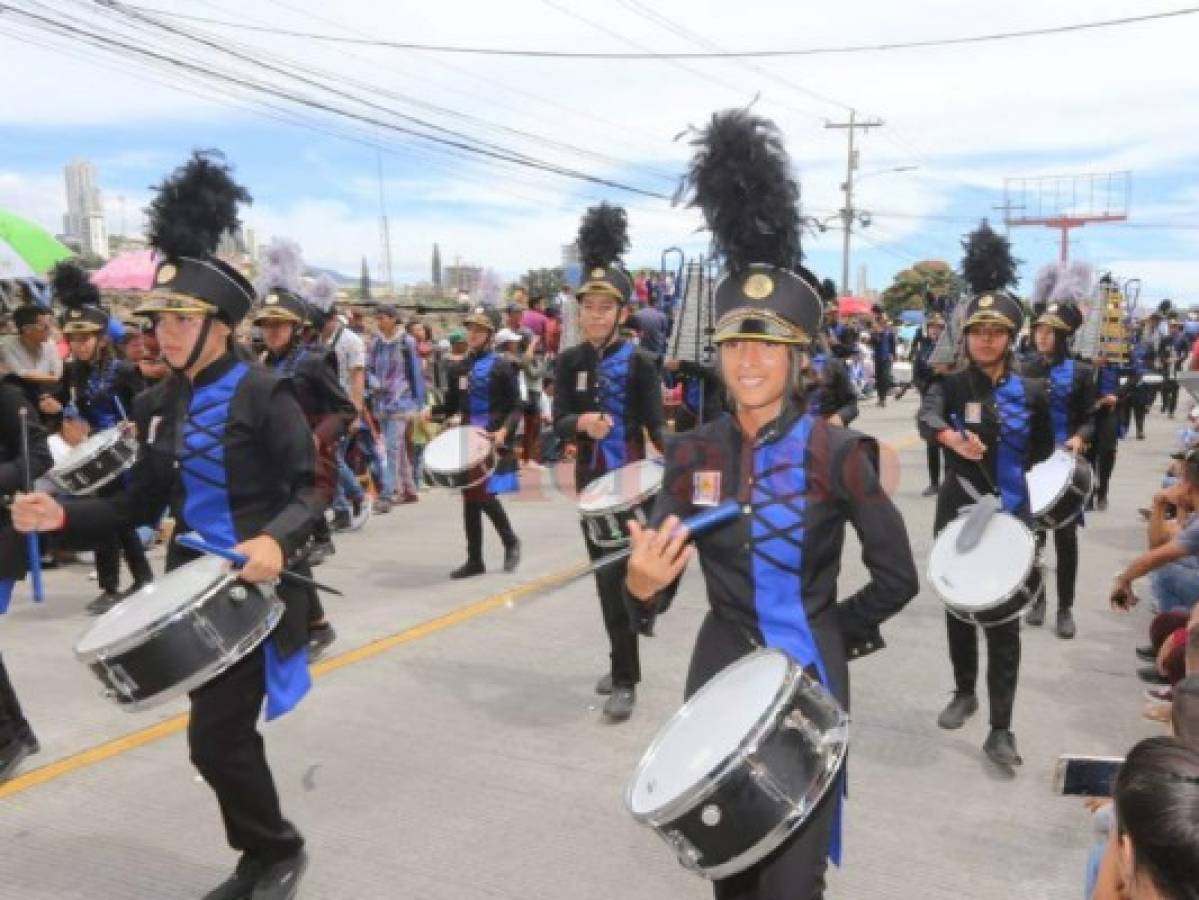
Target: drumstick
[
  {"x": 32, "y": 544},
  {"x": 195, "y": 542},
  {"x": 120, "y": 408}
]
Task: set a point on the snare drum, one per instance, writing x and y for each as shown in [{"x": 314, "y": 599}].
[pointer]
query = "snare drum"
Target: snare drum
[
  {"x": 741, "y": 766},
  {"x": 1059, "y": 488},
  {"x": 459, "y": 457},
  {"x": 992, "y": 583},
  {"x": 177, "y": 633},
  {"x": 608, "y": 504},
  {"x": 96, "y": 462}
]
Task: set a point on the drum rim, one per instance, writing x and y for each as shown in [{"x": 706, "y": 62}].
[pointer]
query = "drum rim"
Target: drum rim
[
  {"x": 240, "y": 651},
  {"x": 1028, "y": 536},
  {"x": 136, "y": 638},
  {"x": 445, "y": 435},
  {"x": 1066, "y": 489},
  {"x": 625, "y": 505},
  {"x": 971, "y": 619},
  {"x": 705, "y": 786},
  {"x": 67, "y": 468}
]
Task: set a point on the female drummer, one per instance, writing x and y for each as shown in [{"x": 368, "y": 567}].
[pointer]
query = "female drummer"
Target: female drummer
[
  {"x": 994, "y": 423},
  {"x": 771, "y": 576},
  {"x": 484, "y": 392},
  {"x": 1071, "y": 385},
  {"x": 607, "y": 395},
  {"x": 225, "y": 445},
  {"x": 101, "y": 388}
]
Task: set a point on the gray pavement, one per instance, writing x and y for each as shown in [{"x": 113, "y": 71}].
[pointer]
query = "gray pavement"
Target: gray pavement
[{"x": 469, "y": 759}]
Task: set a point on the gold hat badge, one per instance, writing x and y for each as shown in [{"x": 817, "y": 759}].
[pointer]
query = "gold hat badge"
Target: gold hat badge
[{"x": 758, "y": 286}]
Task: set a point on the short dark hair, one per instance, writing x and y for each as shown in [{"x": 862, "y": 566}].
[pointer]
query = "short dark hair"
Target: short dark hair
[{"x": 28, "y": 315}]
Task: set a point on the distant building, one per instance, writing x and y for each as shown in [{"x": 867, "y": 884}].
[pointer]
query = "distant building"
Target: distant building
[
  {"x": 125, "y": 243},
  {"x": 84, "y": 221},
  {"x": 460, "y": 278},
  {"x": 570, "y": 255}
]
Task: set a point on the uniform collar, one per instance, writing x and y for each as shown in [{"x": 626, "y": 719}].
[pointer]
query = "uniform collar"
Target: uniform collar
[
  {"x": 772, "y": 431},
  {"x": 215, "y": 370}
]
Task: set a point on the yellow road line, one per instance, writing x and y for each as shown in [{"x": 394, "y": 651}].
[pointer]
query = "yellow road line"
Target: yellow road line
[{"x": 176, "y": 724}]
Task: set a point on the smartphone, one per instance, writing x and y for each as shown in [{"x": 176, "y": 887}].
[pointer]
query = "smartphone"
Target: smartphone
[{"x": 1086, "y": 776}]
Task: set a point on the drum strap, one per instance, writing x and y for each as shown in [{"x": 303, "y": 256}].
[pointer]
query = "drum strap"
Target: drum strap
[{"x": 1061, "y": 388}]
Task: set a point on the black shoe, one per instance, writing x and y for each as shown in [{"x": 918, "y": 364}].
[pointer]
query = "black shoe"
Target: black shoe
[
  {"x": 341, "y": 520},
  {"x": 135, "y": 587},
  {"x": 239, "y": 885},
  {"x": 469, "y": 568},
  {"x": 1065, "y": 624},
  {"x": 1140, "y": 435},
  {"x": 31, "y": 741},
  {"x": 281, "y": 880},
  {"x": 512, "y": 557},
  {"x": 603, "y": 687},
  {"x": 102, "y": 604},
  {"x": 1101, "y": 504},
  {"x": 1000, "y": 748},
  {"x": 11, "y": 755},
  {"x": 1147, "y": 653},
  {"x": 961, "y": 707},
  {"x": 619, "y": 706},
  {"x": 1150, "y": 675},
  {"x": 319, "y": 639},
  {"x": 1036, "y": 612},
  {"x": 931, "y": 491}
]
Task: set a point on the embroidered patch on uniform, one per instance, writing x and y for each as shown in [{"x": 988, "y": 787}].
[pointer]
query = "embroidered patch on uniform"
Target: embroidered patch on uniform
[
  {"x": 581, "y": 381},
  {"x": 463, "y": 383},
  {"x": 705, "y": 488},
  {"x": 153, "y": 429},
  {"x": 974, "y": 413}
]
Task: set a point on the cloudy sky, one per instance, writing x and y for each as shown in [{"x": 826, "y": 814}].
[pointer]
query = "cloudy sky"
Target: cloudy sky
[{"x": 967, "y": 117}]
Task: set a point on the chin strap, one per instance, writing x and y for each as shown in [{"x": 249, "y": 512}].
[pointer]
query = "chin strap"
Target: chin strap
[{"x": 197, "y": 348}]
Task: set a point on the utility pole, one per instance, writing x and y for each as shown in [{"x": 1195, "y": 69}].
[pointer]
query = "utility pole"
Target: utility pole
[
  {"x": 848, "y": 213},
  {"x": 385, "y": 231}
]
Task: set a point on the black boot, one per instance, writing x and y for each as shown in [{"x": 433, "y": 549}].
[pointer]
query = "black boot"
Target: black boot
[
  {"x": 11, "y": 756},
  {"x": 1036, "y": 612},
  {"x": 1065, "y": 623},
  {"x": 619, "y": 705},
  {"x": 603, "y": 687},
  {"x": 281, "y": 880},
  {"x": 239, "y": 885},
  {"x": 961, "y": 707},
  {"x": 511, "y": 556},
  {"x": 103, "y": 603},
  {"x": 1000, "y": 748},
  {"x": 472, "y": 523},
  {"x": 469, "y": 568}
]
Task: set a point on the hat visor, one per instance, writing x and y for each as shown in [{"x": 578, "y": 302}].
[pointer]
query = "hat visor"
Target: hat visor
[
  {"x": 988, "y": 317},
  {"x": 82, "y": 328},
  {"x": 169, "y": 302},
  {"x": 480, "y": 321},
  {"x": 757, "y": 325},
  {"x": 1053, "y": 322},
  {"x": 276, "y": 315},
  {"x": 602, "y": 287}
]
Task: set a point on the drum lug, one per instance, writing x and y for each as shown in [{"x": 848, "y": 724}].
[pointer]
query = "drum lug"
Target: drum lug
[
  {"x": 209, "y": 635},
  {"x": 238, "y": 593},
  {"x": 797, "y": 721},
  {"x": 123, "y": 685},
  {"x": 686, "y": 851}
]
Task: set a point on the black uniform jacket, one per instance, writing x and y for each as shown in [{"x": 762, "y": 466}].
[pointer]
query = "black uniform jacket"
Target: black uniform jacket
[
  {"x": 577, "y": 391},
  {"x": 267, "y": 461},
  {"x": 313, "y": 373},
  {"x": 1080, "y": 400},
  {"x": 13, "y": 398},
  {"x": 842, "y": 486}
]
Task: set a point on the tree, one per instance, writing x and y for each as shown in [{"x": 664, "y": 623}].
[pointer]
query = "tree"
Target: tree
[
  {"x": 436, "y": 268},
  {"x": 364, "y": 283},
  {"x": 988, "y": 264},
  {"x": 542, "y": 282},
  {"x": 913, "y": 288}
]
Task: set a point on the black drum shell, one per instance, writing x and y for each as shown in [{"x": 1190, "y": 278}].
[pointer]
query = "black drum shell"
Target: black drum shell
[
  {"x": 1010, "y": 608},
  {"x": 96, "y": 472},
  {"x": 609, "y": 529},
  {"x": 1070, "y": 504}
]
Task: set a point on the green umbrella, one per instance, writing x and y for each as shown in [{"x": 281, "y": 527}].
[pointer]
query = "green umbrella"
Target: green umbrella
[{"x": 27, "y": 249}]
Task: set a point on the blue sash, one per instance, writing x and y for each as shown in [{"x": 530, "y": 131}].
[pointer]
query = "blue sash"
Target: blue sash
[
  {"x": 479, "y": 414},
  {"x": 613, "y": 394},
  {"x": 1061, "y": 385},
  {"x": 1014, "y": 415}
]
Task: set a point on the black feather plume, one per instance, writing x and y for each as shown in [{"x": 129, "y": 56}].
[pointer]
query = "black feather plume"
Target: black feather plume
[
  {"x": 72, "y": 288},
  {"x": 740, "y": 178},
  {"x": 195, "y": 206},
  {"x": 603, "y": 236}
]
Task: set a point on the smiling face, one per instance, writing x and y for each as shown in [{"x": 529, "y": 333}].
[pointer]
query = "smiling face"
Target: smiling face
[{"x": 755, "y": 374}]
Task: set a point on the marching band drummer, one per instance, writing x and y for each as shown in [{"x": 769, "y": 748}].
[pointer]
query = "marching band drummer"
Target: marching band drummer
[
  {"x": 226, "y": 446},
  {"x": 101, "y": 389},
  {"x": 607, "y": 396},
  {"x": 1071, "y": 385},
  {"x": 771, "y": 576},
  {"x": 484, "y": 392},
  {"x": 995, "y": 425}
]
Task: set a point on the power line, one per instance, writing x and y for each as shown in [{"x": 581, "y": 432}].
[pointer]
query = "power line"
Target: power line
[{"x": 706, "y": 54}]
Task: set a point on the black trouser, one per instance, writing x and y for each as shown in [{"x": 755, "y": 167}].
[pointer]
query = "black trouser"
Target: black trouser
[
  {"x": 882, "y": 379},
  {"x": 226, "y": 747},
  {"x": 1065, "y": 547},
  {"x": 622, "y": 634},
  {"x": 473, "y": 511},
  {"x": 1003, "y": 641},
  {"x": 13, "y": 724},
  {"x": 933, "y": 450},
  {"x": 108, "y": 559},
  {"x": 1102, "y": 452},
  {"x": 320, "y": 530},
  {"x": 1169, "y": 396}
]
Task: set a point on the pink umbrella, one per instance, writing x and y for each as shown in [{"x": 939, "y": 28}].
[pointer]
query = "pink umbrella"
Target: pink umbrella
[
  {"x": 853, "y": 306},
  {"x": 133, "y": 271}
]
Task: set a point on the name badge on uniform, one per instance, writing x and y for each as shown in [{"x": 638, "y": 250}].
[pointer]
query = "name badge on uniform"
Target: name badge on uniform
[
  {"x": 152, "y": 430},
  {"x": 974, "y": 413},
  {"x": 705, "y": 489},
  {"x": 581, "y": 381},
  {"x": 463, "y": 383}
]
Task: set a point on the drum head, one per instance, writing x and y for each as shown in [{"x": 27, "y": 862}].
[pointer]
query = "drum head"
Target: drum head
[
  {"x": 709, "y": 728},
  {"x": 456, "y": 449},
  {"x": 623, "y": 487},
  {"x": 1048, "y": 479},
  {"x": 89, "y": 448},
  {"x": 989, "y": 573},
  {"x": 156, "y": 601}
]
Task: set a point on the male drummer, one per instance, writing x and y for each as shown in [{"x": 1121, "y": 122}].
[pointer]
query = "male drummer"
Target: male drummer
[
  {"x": 994, "y": 425},
  {"x": 225, "y": 445},
  {"x": 484, "y": 392},
  {"x": 607, "y": 395},
  {"x": 1071, "y": 385}
]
